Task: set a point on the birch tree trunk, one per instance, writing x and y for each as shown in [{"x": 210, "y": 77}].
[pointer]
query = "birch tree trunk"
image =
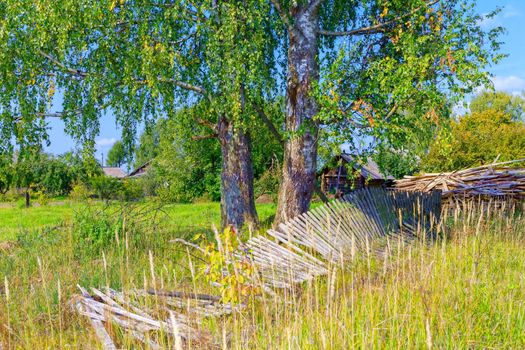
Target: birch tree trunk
[
  {"x": 237, "y": 198},
  {"x": 300, "y": 153}
]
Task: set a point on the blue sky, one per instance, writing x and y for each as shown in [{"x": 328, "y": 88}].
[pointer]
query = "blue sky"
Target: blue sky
[{"x": 508, "y": 75}]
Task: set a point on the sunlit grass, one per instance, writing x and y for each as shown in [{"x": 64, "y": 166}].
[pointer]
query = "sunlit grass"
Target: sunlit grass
[
  {"x": 464, "y": 290},
  {"x": 14, "y": 220}
]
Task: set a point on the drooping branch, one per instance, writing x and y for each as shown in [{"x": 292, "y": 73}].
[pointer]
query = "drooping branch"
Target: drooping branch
[
  {"x": 81, "y": 74},
  {"x": 284, "y": 16},
  {"x": 69, "y": 70},
  {"x": 61, "y": 114},
  {"x": 181, "y": 84},
  {"x": 269, "y": 124},
  {"x": 378, "y": 28},
  {"x": 204, "y": 137}
]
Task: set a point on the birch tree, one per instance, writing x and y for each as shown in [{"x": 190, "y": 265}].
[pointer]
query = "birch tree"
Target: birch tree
[
  {"x": 139, "y": 60},
  {"x": 354, "y": 66}
]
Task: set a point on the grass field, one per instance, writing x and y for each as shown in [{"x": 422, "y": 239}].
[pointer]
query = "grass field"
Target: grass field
[
  {"x": 464, "y": 290},
  {"x": 177, "y": 217}
]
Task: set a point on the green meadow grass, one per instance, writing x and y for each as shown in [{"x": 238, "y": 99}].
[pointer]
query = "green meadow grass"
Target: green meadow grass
[
  {"x": 14, "y": 220},
  {"x": 465, "y": 290},
  {"x": 177, "y": 217}
]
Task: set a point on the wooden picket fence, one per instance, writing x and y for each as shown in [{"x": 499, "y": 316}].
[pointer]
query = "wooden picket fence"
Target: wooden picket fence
[{"x": 306, "y": 247}]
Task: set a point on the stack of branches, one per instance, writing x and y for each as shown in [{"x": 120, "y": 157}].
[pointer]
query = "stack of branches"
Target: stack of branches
[
  {"x": 497, "y": 181},
  {"x": 370, "y": 220}
]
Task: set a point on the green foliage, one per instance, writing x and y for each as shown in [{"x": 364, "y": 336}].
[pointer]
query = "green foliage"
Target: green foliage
[
  {"x": 128, "y": 57},
  {"x": 402, "y": 155},
  {"x": 110, "y": 188},
  {"x": 94, "y": 230},
  {"x": 117, "y": 155},
  {"x": 396, "y": 162},
  {"x": 377, "y": 91},
  {"x": 235, "y": 278},
  {"x": 268, "y": 182},
  {"x": 150, "y": 183},
  {"x": 513, "y": 106},
  {"x": 186, "y": 169},
  {"x": 148, "y": 146},
  {"x": 79, "y": 192},
  {"x": 41, "y": 197},
  {"x": 477, "y": 138},
  {"x": 132, "y": 191},
  {"x": 106, "y": 187},
  {"x": 53, "y": 175},
  {"x": 6, "y": 174},
  {"x": 144, "y": 59}
]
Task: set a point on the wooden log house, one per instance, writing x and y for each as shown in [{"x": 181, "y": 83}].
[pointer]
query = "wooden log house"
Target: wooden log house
[{"x": 347, "y": 176}]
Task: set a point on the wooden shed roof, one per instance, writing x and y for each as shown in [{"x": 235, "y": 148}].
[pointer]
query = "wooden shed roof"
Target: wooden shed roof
[
  {"x": 114, "y": 172},
  {"x": 136, "y": 172},
  {"x": 370, "y": 170}
]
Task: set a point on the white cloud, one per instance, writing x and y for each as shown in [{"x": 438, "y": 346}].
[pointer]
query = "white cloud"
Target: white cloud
[
  {"x": 105, "y": 142},
  {"x": 512, "y": 84},
  {"x": 508, "y": 11},
  {"x": 511, "y": 11}
]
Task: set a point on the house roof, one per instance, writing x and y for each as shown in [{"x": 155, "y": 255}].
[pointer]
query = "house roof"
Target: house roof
[
  {"x": 135, "y": 172},
  {"x": 113, "y": 172},
  {"x": 369, "y": 170}
]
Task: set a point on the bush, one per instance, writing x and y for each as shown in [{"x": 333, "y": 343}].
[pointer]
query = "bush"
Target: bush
[
  {"x": 79, "y": 192},
  {"x": 150, "y": 182},
  {"x": 106, "y": 187},
  {"x": 42, "y": 198},
  {"x": 94, "y": 230},
  {"x": 132, "y": 191}
]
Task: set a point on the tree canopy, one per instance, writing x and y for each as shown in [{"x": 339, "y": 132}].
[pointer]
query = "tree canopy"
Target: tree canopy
[
  {"x": 117, "y": 155},
  {"x": 492, "y": 130},
  {"x": 347, "y": 70},
  {"x": 511, "y": 105}
]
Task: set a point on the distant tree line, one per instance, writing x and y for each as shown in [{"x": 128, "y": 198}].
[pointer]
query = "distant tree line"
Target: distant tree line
[{"x": 36, "y": 171}]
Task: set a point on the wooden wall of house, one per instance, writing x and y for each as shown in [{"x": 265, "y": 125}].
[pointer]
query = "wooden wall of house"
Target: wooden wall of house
[{"x": 336, "y": 180}]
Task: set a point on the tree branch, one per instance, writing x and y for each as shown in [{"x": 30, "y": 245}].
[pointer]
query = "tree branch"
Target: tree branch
[
  {"x": 314, "y": 4},
  {"x": 269, "y": 124},
  {"x": 282, "y": 14},
  {"x": 72, "y": 71},
  {"x": 79, "y": 73},
  {"x": 204, "y": 137},
  {"x": 378, "y": 28},
  {"x": 392, "y": 111},
  {"x": 207, "y": 123},
  {"x": 178, "y": 83}
]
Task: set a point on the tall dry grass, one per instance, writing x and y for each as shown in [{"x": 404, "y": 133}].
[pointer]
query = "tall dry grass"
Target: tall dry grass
[{"x": 463, "y": 288}]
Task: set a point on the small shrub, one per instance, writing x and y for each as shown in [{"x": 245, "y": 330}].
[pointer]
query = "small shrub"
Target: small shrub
[
  {"x": 94, "y": 230},
  {"x": 79, "y": 192},
  {"x": 106, "y": 187},
  {"x": 234, "y": 278},
  {"x": 42, "y": 198},
  {"x": 132, "y": 190},
  {"x": 150, "y": 183},
  {"x": 268, "y": 183}
]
